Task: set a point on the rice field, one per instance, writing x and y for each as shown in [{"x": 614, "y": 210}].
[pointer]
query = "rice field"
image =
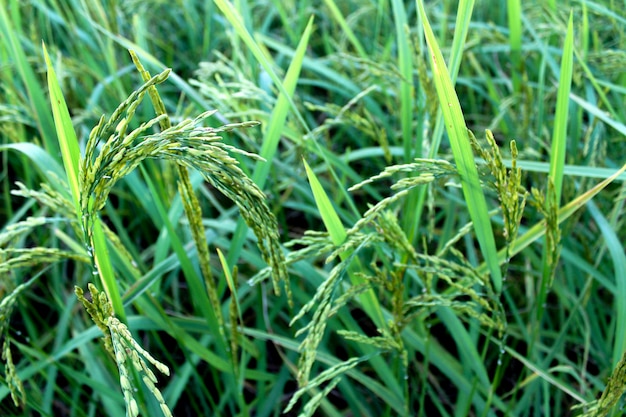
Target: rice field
[{"x": 312, "y": 208}]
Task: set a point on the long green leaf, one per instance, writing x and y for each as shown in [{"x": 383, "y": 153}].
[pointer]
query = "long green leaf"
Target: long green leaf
[
  {"x": 235, "y": 19},
  {"x": 559, "y": 135},
  {"x": 416, "y": 201},
  {"x": 20, "y": 62},
  {"x": 329, "y": 216},
  {"x": 274, "y": 132},
  {"x": 70, "y": 152},
  {"x": 514, "y": 14},
  {"x": 616, "y": 250},
  {"x": 407, "y": 94},
  {"x": 345, "y": 27},
  {"x": 557, "y": 159},
  {"x": 105, "y": 269},
  {"x": 39, "y": 157},
  {"x": 546, "y": 376},
  {"x": 462, "y": 152},
  {"x": 279, "y": 113},
  {"x": 65, "y": 133},
  {"x": 338, "y": 235}
]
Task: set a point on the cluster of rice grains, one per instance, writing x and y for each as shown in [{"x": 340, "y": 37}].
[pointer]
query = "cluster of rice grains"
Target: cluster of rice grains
[
  {"x": 122, "y": 346},
  {"x": 187, "y": 144}
]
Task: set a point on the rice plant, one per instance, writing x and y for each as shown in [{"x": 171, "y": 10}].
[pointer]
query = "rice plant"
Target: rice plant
[{"x": 312, "y": 208}]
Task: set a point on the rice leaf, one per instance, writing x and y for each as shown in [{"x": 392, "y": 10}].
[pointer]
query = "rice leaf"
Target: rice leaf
[
  {"x": 71, "y": 159},
  {"x": 275, "y": 128},
  {"x": 463, "y": 157},
  {"x": 559, "y": 135},
  {"x": 65, "y": 133},
  {"x": 338, "y": 236}
]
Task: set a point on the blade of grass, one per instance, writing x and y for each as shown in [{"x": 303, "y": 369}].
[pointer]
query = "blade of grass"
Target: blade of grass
[
  {"x": 597, "y": 112},
  {"x": 461, "y": 149},
  {"x": 37, "y": 100},
  {"x": 279, "y": 114},
  {"x": 104, "y": 269},
  {"x": 40, "y": 158},
  {"x": 232, "y": 287},
  {"x": 546, "y": 376},
  {"x": 461, "y": 28},
  {"x": 616, "y": 249},
  {"x": 345, "y": 28},
  {"x": 557, "y": 162},
  {"x": 559, "y": 135},
  {"x": 235, "y": 19},
  {"x": 570, "y": 170},
  {"x": 405, "y": 65},
  {"x": 65, "y": 133},
  {"x": 514, "y": 12},
  {"x": 327, "y": 211},
  {"x": 71, "y": 158},
  {"x": 236, "y": 363},
  {"x": 273, "y": 134}
]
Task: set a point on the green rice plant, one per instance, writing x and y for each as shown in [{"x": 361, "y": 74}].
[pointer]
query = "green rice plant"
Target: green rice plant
[
  {"x": 405, "y": 66},
  {"x": 187, "y": 144},
  {"x": 194, "y": 214},
  {"x": 513, "y": 201},
  {"x": 330, "y": 298},
  {"x": 111, "y": 153},
  {"x": 336, "y": 91},
  {"x": 191, "y": 148},
  {"x": 514, "y": 217}
]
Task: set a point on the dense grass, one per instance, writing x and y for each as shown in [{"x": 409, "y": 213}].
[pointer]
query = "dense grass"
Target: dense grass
[{"x": 435, "y": 224}]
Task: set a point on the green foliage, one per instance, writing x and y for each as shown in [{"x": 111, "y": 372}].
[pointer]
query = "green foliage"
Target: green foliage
[{"x": 426, "y": 268}]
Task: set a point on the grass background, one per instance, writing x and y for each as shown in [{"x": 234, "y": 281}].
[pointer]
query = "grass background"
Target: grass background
[{"x": 437, "y": 320}]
